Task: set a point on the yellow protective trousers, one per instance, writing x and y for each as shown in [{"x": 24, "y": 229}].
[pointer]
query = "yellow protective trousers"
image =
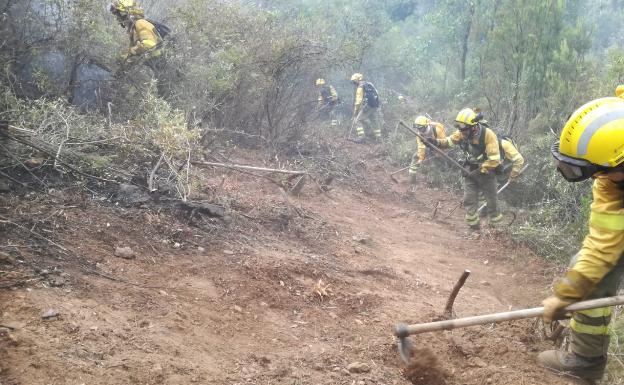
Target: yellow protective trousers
[
  {"x": 590, "y": 328},
  {"x": 369, "y": 123},
  {"x": 473, "y": 186}
]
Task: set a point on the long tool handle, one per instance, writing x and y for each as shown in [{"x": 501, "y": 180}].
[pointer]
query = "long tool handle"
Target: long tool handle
[
  {"x": 402, "y": 331},
  {"x": 436, "y": 149},
  {"x": 400, "y": 170}
]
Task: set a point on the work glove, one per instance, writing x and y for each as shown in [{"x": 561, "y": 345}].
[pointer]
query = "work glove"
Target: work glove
[
  {"x": 552, "y": 305},
  {"x": 122, "y": 59},
  {"x": 431, "y": 142}
]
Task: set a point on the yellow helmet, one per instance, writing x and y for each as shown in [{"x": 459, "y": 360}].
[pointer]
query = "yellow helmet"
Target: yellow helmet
[
  {"x": 619, "y": 91},
  {"x": 320, "y": 82},
  {"x": 421, "y": 121},
  {"x": 357, "y": 77},
  {"x": 125, "y": 7},
  {"x": 592, "y": 140},
  {"x": 467, "y": 118}
]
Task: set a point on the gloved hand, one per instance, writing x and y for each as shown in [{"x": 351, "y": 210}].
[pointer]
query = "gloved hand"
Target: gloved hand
[
  {"x": 513, "y": 179},
  {"x": 431, "y": 142},
  {"x": 122, "y": 59},
  {"x": 552, "y": 305},
  {"x": 484, "y": 170}
]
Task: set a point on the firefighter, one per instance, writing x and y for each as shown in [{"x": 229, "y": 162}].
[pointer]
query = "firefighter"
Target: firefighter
[
  {"x": 591, "y": 145},
  {"x": 366, "y": 108},
  {"x": 429, "y": 130},
  {"x": 145, "y": 41},
  {"x": 480, "y": 146},
  {"x": 327, "y": 100}
]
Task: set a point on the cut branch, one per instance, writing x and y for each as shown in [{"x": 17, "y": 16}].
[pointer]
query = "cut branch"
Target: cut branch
[{"x": 448, "y": 309}]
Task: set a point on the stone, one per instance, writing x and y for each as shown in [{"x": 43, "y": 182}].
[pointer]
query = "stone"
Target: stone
[
  {"x": 50, "y": 313},
  {"x": 4, "y": 186},
  {"x": 124, "y": 252},
  {"x": 358, "y": 367}
]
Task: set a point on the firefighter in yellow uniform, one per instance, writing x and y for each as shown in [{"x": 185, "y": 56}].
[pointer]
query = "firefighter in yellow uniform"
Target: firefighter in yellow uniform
[
  {"x": 145, "y": 42},
  {"x": 591, "y": 146},
  {"x": 429, "y": 130},
  {"x": 366, "y": 108},
  {"x": 480, "y": 146},
  {"x": 327, "y": 100}
]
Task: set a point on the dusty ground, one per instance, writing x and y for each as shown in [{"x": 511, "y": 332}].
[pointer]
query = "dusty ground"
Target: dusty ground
[{"x": 234, "y": 302}]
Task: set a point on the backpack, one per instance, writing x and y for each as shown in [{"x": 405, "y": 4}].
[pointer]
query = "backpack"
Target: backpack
[
  {"x": 161, "y": 28},
  {"x": 508, "y": 138},
  {"x": 371, "y": 95}
]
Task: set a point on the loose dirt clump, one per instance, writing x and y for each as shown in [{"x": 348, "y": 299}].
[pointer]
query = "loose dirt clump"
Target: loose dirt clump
[{"x": 424, "y": 369}]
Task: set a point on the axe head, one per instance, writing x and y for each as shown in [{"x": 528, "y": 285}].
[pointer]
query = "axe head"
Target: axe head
[
  {"x": 404, "y": 344},
  {"x": 405, "y": 349}
]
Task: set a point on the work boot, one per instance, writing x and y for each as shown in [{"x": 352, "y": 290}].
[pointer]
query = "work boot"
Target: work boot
[{"x": 587, "y": 368}]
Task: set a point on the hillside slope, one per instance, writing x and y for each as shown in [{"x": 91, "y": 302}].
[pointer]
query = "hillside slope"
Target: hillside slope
[{"x": 233, "y": 302}]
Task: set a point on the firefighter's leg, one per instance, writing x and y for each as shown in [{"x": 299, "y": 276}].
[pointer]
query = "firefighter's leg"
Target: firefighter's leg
[
  {"x": 590, "y": 334},
  {"x": 488, "y": 186},
  {"x": 413, "y": 169},
  {"x": 471, "y": 201},
  {"x": 590, "y": 338},
  {"x": 360, "y": 124},
  {"x": 375, "y": 120},
  {"x": 367, "y": 122}
]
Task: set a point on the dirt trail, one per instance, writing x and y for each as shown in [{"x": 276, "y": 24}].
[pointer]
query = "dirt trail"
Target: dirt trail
[{"x": 236, "y": 305}]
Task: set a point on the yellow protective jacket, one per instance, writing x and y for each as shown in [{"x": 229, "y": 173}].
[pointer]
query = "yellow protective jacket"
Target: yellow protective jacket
[
  {"x": 512, "y": 155},
  {"x": 483, "y": 147},
  {"x": 434, "y": 130},
  {"x": 327, "y": 95},
  {"x": 603, "y": 246},
  {"x": 144, "y": 38},
  {"x": 359, "y": 98}
]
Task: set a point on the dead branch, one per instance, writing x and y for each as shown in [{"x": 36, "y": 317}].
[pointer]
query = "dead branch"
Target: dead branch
[
  {"x": 243, "y": 167},
  {"x": 289, "y": 203},
  {"x": 150, "y": 183},
  {"x": 41, "y": 148},
  {"x": 448, "y": 309}
]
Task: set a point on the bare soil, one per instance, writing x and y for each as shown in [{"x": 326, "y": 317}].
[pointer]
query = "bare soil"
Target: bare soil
[{"x": 207, "y": 301}]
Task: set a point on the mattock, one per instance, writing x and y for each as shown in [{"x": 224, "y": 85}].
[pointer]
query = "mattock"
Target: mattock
[{"x": 403, "y": 331}]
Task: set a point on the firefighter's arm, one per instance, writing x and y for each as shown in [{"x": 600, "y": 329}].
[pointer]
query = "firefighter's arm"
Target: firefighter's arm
[
  {"x": 603, "y": 245},
  {"x": 450, "y": 141},
  {"x": 491, "y": 151},
  {"x": 333, "y": 93},
  {"x": 514, "y": 156},
  {"x": 359, "y": 99},
  {"x": 422, "y": 149}
]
